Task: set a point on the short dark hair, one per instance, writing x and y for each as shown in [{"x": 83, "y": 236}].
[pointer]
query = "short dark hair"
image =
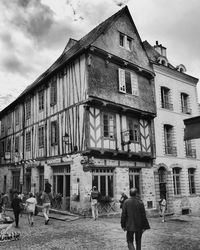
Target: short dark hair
[
  {"x": 133, "y": 192},
  {"x": 30, "y": 195}
]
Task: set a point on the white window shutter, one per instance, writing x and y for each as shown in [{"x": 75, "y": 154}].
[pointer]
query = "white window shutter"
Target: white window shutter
[
  {"x": 122, "y": 84},
  {"x": 134, "y": 84}
]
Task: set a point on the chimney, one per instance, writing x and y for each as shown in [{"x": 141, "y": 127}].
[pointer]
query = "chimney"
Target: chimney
[{"x": 160, "y": 49}]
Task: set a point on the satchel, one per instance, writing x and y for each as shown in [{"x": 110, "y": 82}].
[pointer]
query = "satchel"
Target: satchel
[{"x": 36, "y": 210}]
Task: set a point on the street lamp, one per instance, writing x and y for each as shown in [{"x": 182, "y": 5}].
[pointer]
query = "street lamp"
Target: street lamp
[{"x": 66, "y": 141}]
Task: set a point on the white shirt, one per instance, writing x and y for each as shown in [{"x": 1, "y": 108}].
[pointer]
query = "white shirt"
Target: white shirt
[{"x": 31, "y": 202}]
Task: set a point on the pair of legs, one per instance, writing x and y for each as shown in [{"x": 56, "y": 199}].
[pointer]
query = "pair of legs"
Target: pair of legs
[
  {"x": 16, "y": 214},
  {"x": 46, "y": 207},
  {"x": 94, "y": 211},
  {"x": 138, "y": 239},
  {"x": 30, "y": 218},
  {"x": 163, "y": 213}
]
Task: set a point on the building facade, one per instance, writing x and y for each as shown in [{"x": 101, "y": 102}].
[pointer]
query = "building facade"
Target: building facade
[
  {"x": 177, "y": 164},
  {"x": 87, "y": 120}
]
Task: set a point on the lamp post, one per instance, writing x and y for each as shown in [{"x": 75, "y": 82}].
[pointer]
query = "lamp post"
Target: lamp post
[{"x": 66, "y": 141}]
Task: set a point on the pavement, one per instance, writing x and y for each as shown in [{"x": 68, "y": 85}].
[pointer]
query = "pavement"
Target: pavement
[{"x": 71, "y": 232}]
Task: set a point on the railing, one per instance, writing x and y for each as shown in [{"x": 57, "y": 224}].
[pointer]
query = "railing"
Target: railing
[
  {"x": 170, "y": 150},
  {"x": 186, "y": 110},
  {"x": 191, "y": 153},
  {"x": 167, "y": 105}
]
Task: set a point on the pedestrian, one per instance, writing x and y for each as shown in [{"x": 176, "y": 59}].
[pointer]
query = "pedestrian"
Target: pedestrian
[
  {"x": 122, "y": 199},
  {"x": 16, "y": 206},
  {"x": 30, "y": 208},
  {"x": 4, "y": 202},
  {"x": 134, "y": 220},
  {"x": 46, "y": 200},
  {"x": 95, "y": 197},
  {"x": 21, "y": 196},
  {"x": 163, "y": 204}
]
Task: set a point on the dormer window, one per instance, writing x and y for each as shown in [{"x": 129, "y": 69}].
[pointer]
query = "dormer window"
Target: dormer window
[
  {"x": 181, "y": 68},
  {"x": 163, "y": 60}
]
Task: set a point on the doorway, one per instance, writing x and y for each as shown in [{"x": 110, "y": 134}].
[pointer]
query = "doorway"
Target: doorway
[{"x": 162, "y": 173}]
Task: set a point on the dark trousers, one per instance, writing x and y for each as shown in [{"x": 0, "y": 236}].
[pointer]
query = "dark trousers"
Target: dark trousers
[
  {"x": 16, "y": 214},
  {"x": 130, "y": 238}
]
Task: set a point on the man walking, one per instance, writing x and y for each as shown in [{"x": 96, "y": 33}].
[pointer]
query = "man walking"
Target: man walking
[{"x": 134, "y": 220}]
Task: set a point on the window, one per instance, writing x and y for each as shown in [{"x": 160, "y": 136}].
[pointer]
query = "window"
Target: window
[
  {"x": 16, "y": 180},
  {"x": 134, "y": 179},
  {"x": 129, "y": 43},
  {"x": 165, "y": 98},
  {"x": 41, "y": 100},
  {"x": 8, "y": 145},
  {"x": 133, "y": 129},
  {"x": 53, "y": 92},
  {"x": 9, "y": 117},
  {"x": 41, "y": 179},
  {"x": 17, "y": 144},
  {"x": 168, "y": 140},
  {"x": 121, "y": 39},
  {"x": 176, "y": 181},
  {"x": 41, "y": 137},
  {"x": 28, "y": 141},
  {"x": 191, "y": 177},
  {"x": 28, "y": 108},
  {"x": 185, "y": 104},
  {"x": 17, "y": 116},
  {"x": 128, "y": 82},
  {"x": 54, "y": 133},
  {"x": 108, "y": 125},
  {"x": 2, "y": 126},
  {"x": 103, "y": 179},
  {"x": 189, "y": 150}
]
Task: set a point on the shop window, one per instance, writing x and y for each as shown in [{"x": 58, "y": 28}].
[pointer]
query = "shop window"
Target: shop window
[
  {"x": 176, "y": 180},
  {"x": 134, "y": 179},
  {"x": 103, "y": 180},
  {"x": 191, "y": 177}
]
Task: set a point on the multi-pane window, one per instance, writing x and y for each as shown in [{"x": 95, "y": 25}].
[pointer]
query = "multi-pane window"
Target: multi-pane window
[
  {"x": 185, "y": 103},
  {"x": 53, "y": 93},
  {"x": 28, "y": 108},
  {"x": 28, "y": 141},
  {"x": 133, "y": 129},
  {"x": 176, "y": 180},
  {"x": 41, "y": 137},
  {"x": 41, "y": 100},
  {"x": 16, "y": 116},
  {"x": 17, "y": 144},
  {"x": 9, "y": 119},
  {"x": 189, "y": 149},
  {"x": 168, "y": 139},
  {"x": 8, "y": 145},
  {"x": 134, "y": 178},
  {"x": 128, "y": 82},
  {"x": 108, "y": 125},
  {"x": 165, "y": 98},
  {"x": 191, "y": 178},
  {"x": 103, "y": 180},
  {"x": 54, "y": 133}
]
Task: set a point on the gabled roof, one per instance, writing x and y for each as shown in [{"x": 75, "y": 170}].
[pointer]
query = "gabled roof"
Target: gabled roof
[{"x": 75, "y": 49}]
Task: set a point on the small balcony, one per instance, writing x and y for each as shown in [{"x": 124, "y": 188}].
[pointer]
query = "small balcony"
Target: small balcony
[
  {"x": 170, "y": 150},
  {"x": 191, "y": 153},
  {"x": 167, "y": 105},
  {"x": 186, "y": 110}
]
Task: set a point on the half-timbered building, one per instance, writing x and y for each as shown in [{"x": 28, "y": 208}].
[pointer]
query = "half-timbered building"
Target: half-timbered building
[{"x": 87, "y": 120}]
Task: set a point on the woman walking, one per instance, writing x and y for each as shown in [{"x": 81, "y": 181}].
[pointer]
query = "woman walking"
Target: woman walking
[
  {"x": 46, "y": 200},
  {"x": 30, "y": 208},
  {"x": 16, "y": 206}
]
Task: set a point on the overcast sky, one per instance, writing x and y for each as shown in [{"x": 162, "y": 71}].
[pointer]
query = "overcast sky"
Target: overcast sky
[{"x": 33, "y": 33}]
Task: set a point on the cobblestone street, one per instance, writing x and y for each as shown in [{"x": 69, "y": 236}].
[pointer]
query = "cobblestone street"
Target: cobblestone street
[{"x": 178, "y": 233}]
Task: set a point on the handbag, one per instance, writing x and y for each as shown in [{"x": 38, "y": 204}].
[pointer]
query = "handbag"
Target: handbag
[{"x": 36, "y": 210}]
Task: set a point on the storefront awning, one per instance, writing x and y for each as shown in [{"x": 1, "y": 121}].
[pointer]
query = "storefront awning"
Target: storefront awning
[{"x": 192, "y": 128}]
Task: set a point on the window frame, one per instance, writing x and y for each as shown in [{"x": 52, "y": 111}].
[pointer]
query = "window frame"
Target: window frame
[
  {"x": 166, "y": 98},
  {"x": 106, "y": 188},
  {"x": 54, "y": 133},
  {"x": 185, "y": 103},
  {"x": 109, "y": 127},
  {"x": 28, "y": 108},
  {"x": 53, "y": 92},
  {"x": 134, "y": 173},
  {"x": 191, "y": 181},
  {"x": 177, "y": 180},
  {"x": 41, "y": 136},
  {"x": 170, "y": 149},
  {"x": 121, "y": 39},
  {"x": 28, "y": 141},
  {"x": 128, "y": 80},
  {"x": 41, "y": 100}
]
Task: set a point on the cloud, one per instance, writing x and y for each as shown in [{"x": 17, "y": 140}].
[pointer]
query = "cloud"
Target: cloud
[{"x": 5, "y": 100}]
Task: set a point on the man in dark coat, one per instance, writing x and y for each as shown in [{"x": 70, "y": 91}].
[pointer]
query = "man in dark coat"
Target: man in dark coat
[
  {"x": 134, "y": 220},
  {"x": 16, "y": 208}
]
